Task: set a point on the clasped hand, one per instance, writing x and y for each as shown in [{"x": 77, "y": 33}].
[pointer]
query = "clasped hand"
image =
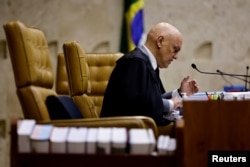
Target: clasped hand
[{"x": 189, "y": 87}]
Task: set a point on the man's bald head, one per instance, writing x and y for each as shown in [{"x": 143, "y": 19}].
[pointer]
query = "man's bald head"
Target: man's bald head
[
  {"x": 162, "y": 29},
  {"x": 164, "y": 41}
]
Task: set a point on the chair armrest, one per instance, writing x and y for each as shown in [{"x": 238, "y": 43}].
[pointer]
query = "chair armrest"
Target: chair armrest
[
  {"x": 167, "y": 130},
  {"x": 126, "y": 121}
]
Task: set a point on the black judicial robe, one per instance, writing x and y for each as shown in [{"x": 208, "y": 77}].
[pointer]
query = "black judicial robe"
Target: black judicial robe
[{"x": 134, "y": 90}]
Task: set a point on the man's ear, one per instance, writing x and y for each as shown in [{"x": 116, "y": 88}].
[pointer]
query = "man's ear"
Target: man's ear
[{"x": 159, "y": 41}]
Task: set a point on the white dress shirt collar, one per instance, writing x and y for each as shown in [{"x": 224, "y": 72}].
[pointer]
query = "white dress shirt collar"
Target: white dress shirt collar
[{"x": 151, "y": 57}]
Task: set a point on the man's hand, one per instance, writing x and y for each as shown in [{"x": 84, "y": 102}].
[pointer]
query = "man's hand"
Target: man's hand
[
  {"x": 189, "y": 86},
  {"x": 177, "y": 102}
]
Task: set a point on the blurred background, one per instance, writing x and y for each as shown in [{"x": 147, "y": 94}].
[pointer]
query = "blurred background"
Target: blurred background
[{"x": 216, "y": 36}]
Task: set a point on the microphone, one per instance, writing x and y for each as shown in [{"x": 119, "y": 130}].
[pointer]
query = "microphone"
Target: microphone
[
  {"x": 194, "y": 67},
  {"x": 234, "y": 75},
  {"x": 218, "y": 73},
  {"x": 237, "y": 76}
]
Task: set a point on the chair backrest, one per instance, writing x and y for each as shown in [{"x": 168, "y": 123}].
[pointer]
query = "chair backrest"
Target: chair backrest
[
  {"x": 32, "y": 68},
  {"x": 88, "y": 75},
  {"x": 100, "y": 67},
  {"x": 61, "y": 82}
]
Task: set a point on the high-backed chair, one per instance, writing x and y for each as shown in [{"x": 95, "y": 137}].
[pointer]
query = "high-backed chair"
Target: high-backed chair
[
  {"x": 33, "y": 74},
  {"x": 88, "y": 75},
  {"x": 34, "y": 79},
  {"x": 61, "y": 81},
  {"x": 32, "y": 68},
  {"x": 100, "y": 67}
]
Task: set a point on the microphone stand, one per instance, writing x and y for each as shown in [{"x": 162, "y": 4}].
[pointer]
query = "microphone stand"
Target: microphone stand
[
  {"x": 237, "y": 76},
  {"x": 233, "y": 76},
  {"x": 221, "y": 74}
]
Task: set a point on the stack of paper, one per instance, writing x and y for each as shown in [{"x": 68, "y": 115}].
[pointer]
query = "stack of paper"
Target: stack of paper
[
  {"x": 139, "y": 141},
  {"x": 152, "y": 141},
  {"x": 118, "y": 140},
  {"x": 58, "y": 139},
  {"x": 172, "y": 146},
  {"x": 162, "y": 144},
  {"x": 236, "y": 95},
  {"x": 91, "y": 140},
  {"x": 104, "y": 140},
  {"x": 166, "y": 145},
  {"x": 24, "y": 130},
  {"x": 46, "y": 138},
  {"x": 40, "y": 138},
  {"x": 76, "y": 139}
]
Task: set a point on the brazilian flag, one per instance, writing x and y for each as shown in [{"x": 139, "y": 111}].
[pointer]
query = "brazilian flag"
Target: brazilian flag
[{"x": 132, "y": 25}]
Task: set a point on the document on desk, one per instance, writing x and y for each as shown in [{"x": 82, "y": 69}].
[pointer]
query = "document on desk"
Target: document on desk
[
  {"x": 202, "y": 96},
  {"x": 236, "y": 96}
]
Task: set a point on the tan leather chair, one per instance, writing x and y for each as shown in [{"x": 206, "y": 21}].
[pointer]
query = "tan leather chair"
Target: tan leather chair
[
  {"x": 100, "y": 67},
  {"x": 32, "y": 69},
  {"x": 61, "y": 82},
  {"x": 88, "y": 75}
]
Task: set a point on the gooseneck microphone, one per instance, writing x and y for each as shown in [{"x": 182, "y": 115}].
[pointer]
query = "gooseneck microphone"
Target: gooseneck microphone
[
  {"x": 233, "y": 75},
  {"x": 236, "y": 75},
  {"x": 218, "y": 72},
  {"x": 194, "y": 67}
]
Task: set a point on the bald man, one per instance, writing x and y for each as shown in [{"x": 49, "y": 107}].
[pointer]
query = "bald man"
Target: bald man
[{"x": 135, "y": 87}]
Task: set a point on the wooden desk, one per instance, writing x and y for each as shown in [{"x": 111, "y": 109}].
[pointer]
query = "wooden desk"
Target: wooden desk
[{"x": 213, "y": 125}]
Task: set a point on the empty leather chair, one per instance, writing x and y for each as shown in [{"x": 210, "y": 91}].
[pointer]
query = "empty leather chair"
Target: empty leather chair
[
  {"x": 88, "y": 75},
  {"x": 32, "y": 68}
]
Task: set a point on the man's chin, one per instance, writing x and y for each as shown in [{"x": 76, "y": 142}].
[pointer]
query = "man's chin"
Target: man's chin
[{"x": 165, "y": 66}]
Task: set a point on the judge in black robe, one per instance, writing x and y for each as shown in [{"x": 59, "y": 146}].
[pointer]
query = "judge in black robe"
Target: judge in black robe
[{"x": 135, "y": 88}]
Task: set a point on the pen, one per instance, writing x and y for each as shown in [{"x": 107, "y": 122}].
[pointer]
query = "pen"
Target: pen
[{"x": 207, "y": 95}]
